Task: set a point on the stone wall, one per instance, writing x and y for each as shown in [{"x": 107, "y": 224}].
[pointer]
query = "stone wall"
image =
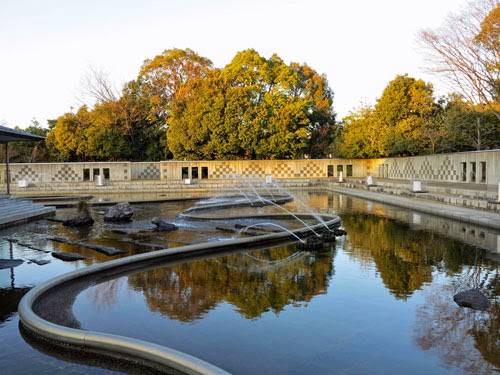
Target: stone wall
[
  {"x": 66, "y": 172},
  {"x": 478, "y": 167},
  {"x": 482, "y": 167},
  {"x": 277, "y": 169}
]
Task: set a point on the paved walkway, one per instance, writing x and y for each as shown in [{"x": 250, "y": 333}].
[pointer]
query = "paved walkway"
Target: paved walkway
[{"x": 475, "y": 216}]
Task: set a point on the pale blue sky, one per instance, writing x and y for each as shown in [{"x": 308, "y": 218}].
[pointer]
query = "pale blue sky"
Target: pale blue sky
[{"x": 46, "y": 46}]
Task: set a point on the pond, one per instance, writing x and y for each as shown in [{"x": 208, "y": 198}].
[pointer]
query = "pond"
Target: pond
[{"x": 379, "y": 300}]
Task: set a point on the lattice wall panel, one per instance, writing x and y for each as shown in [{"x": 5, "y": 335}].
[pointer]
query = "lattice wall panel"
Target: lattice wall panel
[
  {"x": 426, "y": 170},
  {"x": 26, "y": 172},
  {"x": 282, "y": 170},
  {"x": 150, "y": 172},
  {"x": 66, "y": 174},
  {"x": 253, "y": 170},
  {"x": 447, "y": 171},
  {"x": 311, "y": 170},
  {"x": 223, "y": 170}
]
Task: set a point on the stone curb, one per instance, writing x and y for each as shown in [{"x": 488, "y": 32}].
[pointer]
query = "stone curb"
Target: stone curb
[{"x": 115, "y": 344}]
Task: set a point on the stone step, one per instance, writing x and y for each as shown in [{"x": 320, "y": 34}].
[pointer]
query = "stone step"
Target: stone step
[
  {"x": 22, "y": 216},
  {"x": 15, "y": 210},
  {"x": 22, "y": 210},
  {"x": 14, "y": 204}
]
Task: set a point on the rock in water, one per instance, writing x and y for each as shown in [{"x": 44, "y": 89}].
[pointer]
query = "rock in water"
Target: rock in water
[
  {"x": 473, "y": 299},
  {"x": 10, "y": 263},
  {"x": 67, "y": 257},
  {"x": 119, "y": 212},
  {"x": 78, "y": 222},
  {"x": 162, "y": 225}
]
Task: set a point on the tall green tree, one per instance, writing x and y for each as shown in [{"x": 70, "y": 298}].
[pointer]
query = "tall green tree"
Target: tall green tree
[
  {"x": 361, "y": 135},
  {"x": 161, "y": 79},
  {"x": 67, "y": 140},
  {"x": 146, "y": 138},
  {"x": 196, "y": 128},
  {"x": 406, "y": 110},
  {"x": 322, "y": 128},
  {"x": 160, "y": 82},
  {"x": 406, "y": 120},
  {"x": 253, "y": 108},
  {"x": 106, "y": 137}
]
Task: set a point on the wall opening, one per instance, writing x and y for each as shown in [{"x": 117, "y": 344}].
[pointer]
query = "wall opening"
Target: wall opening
[
  {"x": 185, "y": 172},
  {"x": 348, "y": 170},
  {"x": 340, "y": 168},
  {"x": 482, "y": 178},
  {"x": 330, "y": 171},
  {"x": 473, "y": 171},
  {"x": 204, "y": 173},
  {"x": 194, "y": 173}
]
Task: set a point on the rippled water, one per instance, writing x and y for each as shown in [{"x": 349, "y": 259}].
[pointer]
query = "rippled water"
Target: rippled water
[{"x": 378, "y": 301}]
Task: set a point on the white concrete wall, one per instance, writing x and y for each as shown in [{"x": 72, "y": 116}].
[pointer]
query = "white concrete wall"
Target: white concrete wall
[
  {"x": 482, "y": 167},
  {"x": 478, "y": 167}
]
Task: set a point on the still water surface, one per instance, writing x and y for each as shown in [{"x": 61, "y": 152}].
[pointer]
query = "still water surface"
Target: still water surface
[{"x": 378, "y": 301}]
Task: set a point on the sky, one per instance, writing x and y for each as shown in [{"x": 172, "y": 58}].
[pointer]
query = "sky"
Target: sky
[{"x": 47, "y": 47}]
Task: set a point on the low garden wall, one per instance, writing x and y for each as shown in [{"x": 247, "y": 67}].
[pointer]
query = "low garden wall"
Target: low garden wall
[{"x": 479, "y": 167}]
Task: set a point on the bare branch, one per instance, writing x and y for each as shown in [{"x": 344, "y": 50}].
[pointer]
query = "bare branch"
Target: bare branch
[
  {"x": 456, "y": 54},
  {"x": 96, "y": 87}
]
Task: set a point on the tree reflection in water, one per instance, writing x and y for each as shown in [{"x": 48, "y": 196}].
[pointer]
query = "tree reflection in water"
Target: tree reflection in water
[
  {"x": 420, "y": 269},
  {"x": 458, "y": 335},
  {"x": 407, "y": 261},
  {"x": 185, "y": 292}
]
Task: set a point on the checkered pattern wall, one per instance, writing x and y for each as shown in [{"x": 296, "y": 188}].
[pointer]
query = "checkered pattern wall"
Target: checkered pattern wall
[
  {"x": 447, "y": 171},
  {"x": 66, "y": 174},
  {"x": 424, "y": 168},
  {"x": 26, "y": 172},
  {"x": 308, "y": 168},
  {"x": 283, "y": 170},
  {"x": 150, "y": 172},
  {"x": 278, "y": 169},
  {"x": 223, "y": 170},
  {"x": 470, "y": 167},
  {"x": 254, "y": 170}
]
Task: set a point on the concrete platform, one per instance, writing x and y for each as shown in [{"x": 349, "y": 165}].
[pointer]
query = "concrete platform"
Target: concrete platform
[
  {"x": 430, "y": 203},
  {"x": 15, "y": 211}
]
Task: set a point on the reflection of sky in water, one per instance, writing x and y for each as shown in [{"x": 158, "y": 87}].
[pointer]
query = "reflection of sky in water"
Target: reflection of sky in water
[
  {"x": 358, "y": 319},
  {"x": 355, "y": 326},
  {"x": 28, "y": 273}
]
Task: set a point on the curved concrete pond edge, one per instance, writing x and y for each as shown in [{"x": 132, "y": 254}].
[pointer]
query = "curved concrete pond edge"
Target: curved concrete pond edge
[{"x": 114, "y": 345}]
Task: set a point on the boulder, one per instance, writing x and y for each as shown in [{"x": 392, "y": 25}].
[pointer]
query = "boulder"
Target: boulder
[
  {"x": 78, "y": 222},
  {"x": 472, "y": 298},
  {"x": 162, "y": 225},
  {"x": 119, "y": 212}
]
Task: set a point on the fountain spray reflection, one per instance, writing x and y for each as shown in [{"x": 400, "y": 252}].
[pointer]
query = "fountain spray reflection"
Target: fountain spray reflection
[
  {"x": 244, "y": 229},
  {"x": 38, "y": 316}
]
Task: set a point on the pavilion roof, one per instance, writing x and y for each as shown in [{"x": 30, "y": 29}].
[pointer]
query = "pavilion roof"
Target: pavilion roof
[{"x": 12, "y": 135}]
